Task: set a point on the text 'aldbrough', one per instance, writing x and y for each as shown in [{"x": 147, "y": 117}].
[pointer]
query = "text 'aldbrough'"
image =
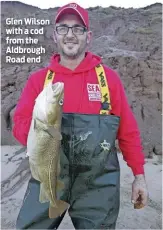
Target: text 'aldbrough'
[{"x": 27, "y": 21}]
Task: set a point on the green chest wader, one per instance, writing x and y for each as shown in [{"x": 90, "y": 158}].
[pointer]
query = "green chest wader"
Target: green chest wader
[{"x": 89, "y": 169}]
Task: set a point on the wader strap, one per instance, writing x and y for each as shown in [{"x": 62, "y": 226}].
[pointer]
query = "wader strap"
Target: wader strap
[
  {"x": 105, "y": 96},
  {"x": 49, "y": 77}
]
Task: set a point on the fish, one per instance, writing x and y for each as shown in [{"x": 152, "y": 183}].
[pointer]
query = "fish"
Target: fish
[{"x": 44, "y": 144}]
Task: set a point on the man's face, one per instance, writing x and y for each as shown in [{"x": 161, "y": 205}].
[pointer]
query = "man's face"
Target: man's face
[{"x": 71, "y": 45}]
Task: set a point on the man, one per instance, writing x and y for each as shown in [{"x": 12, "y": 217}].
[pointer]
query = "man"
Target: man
[{"x": 95, "y": 114}]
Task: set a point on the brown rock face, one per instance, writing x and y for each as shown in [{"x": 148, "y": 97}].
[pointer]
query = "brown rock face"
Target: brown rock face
[{"x": 128, "y": 40}]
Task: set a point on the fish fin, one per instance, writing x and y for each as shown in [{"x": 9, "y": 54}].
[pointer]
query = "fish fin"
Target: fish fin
[
  {"x": 34, "y": 172},
  {"x": 54, "y": 133},
  {"x": 43, "y": 197},
  {"x": 51, "y": 130},
  {"x": 60, "y": 185},
  {"x": 39, "y": 125},
  {"x": 54, "y": 212}
]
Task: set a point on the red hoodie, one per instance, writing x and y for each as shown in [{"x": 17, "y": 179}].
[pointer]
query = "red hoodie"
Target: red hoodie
[{"x": 82, "y": 96}]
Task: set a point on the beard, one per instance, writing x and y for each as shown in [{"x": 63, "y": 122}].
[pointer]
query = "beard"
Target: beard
[{"x": 72, "y": 50}]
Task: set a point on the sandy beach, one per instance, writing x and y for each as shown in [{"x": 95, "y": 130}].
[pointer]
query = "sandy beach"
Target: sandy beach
[{"x": 14, "y": 181}]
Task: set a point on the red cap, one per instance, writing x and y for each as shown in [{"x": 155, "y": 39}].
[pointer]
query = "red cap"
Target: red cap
[{"x": 75, "y": 9}]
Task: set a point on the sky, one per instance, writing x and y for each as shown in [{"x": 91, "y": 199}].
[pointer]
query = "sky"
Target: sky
[{"x": 45, "y": 4}]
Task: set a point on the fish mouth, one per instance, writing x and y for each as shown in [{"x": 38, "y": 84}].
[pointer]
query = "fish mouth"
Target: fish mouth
[{"x": 57, "y": 87}]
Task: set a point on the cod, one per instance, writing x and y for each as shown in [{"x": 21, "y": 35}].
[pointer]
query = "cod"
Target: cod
[{"x": 43, "y": 146}]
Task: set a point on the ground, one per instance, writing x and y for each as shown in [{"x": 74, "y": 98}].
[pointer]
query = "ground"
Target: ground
[{"x": 13, "y": 189}]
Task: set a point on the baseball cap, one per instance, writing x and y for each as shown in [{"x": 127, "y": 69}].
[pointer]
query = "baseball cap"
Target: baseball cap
[{"x": 75, "y": 9}]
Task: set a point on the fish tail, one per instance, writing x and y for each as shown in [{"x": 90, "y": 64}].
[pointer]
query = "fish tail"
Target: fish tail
[{"x": 54, "y": 212}]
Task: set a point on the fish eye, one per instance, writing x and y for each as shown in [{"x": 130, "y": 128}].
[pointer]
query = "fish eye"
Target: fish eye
[{"x": 61, "y": 102}]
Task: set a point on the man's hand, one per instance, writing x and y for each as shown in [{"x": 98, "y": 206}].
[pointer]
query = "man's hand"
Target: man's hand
[{"x": 139, "y": 192}]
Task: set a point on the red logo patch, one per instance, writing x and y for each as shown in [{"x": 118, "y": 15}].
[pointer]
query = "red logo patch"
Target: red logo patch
[{"x": 94, "y": 93}]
